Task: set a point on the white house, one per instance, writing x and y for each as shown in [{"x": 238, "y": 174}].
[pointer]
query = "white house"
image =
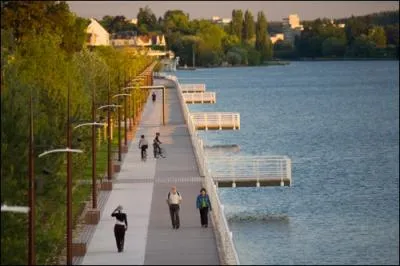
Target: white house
[{"x": 97, "y": 35}]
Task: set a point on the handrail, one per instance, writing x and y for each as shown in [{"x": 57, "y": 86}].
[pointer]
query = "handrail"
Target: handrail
[
  {"x": 225, "y": 235},
  {"x": 199, "y": 97}
]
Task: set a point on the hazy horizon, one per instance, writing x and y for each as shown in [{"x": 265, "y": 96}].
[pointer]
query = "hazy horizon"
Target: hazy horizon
[{"x": 274, "y": 10}]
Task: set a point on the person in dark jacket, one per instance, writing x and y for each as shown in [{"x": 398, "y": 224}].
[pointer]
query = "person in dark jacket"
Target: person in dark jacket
[
  {"x": 121, "y": 225},
  {"x": 203, "y": 203},
  {"x": 156, "y": 146}
]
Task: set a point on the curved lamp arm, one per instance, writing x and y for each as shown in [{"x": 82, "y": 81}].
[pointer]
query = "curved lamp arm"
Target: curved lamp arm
[
  {"x": 21, "y": 209},
  {"x": 121, "y": 94},
  {"x": 110, "y": 105},
  {"x": 60, "y": 150},
  {"x": 90, "y": 124}
]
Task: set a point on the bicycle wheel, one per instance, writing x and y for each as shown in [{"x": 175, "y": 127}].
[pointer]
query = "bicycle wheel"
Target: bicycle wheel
[{"x": 162, "y": 152}]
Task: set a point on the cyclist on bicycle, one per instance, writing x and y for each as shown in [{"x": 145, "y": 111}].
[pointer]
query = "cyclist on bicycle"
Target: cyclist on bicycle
[
  {"x": 156, "y": 145},
  {"x": 143, "y": 145}
]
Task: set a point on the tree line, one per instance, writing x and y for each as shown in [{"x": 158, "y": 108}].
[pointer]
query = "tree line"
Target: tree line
[
  {"x": 370, "y": 36},
  {"x": 246, "y": 40},
  {"x": 43, "y": 54}
]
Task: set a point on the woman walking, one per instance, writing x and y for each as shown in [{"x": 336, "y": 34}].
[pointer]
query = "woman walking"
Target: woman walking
[
  {"x": 203, "y": 203},
  {"x": 121, "y": 225}
]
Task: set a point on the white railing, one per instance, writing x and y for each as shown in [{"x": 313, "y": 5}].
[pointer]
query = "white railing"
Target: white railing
[
  {"x": 199, "y": 97},
  {"x": 222, "y": 228},
  {"x": 251, "y": 167},
  {"x": 216, "y": 120},
  {"x": 193, "y": 87}
]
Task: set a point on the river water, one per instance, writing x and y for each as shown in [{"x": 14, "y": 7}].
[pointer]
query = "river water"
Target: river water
[{"x": 339, "y": 124}]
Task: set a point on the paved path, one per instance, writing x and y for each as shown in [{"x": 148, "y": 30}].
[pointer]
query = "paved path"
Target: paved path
[{"x": 142, "y": 188}]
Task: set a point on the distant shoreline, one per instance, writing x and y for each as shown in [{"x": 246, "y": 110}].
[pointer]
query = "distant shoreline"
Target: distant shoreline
[{"x": 287, "y": 62}]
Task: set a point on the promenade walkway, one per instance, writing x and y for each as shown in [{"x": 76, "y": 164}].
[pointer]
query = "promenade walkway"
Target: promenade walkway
[{"x": 142, "y": 188}]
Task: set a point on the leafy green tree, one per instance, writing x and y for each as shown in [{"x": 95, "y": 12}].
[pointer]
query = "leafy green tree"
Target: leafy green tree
[
  {"x": 146, "y": 17},
  {"x": 242, "y": 52},
  {"x": 378, "y": 36},
  {"x": 233, "y": 58},
  {"x": 392, "y": 34},
  {"x": 29, "y": 18},
  {"x": 354, "y": 28},
  {"x": 237, "y": 23},
  {"x": 176, "y": 20},
  {"x": 230, "y": 41},
  {"x": 248, "y": 26},
  {"x": 284, "y": 50},
  {"x": 333, "y": 46},
  {"x": 253, "y": 56},
  {"x": 263, "y": 43},
  {"x": 362, "y": 47}
]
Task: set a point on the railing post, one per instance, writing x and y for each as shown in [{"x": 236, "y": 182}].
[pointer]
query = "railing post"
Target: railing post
[{"x": 281, "y": 172}]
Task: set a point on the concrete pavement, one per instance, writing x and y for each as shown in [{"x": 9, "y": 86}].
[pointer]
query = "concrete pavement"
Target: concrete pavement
[{"x": 142, "y": 188}]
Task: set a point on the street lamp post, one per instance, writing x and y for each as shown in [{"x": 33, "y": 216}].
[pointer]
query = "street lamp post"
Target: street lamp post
[
  {"x": 125, "y": 116},
  {"x": 69, "y": 178},
  {"x": 94, "y": 188},
  {"x": 127, "y": 95},
  {"x": 109, "y": 163},
  {"x": 94, "y": 183},
  {"x": 119, "y": 126},
  {"x": 69, "y": 194},
  {"x": 109, "y": 106},
  {"x": 31, "y": 201},
  {"x": 69, "y": 184}
]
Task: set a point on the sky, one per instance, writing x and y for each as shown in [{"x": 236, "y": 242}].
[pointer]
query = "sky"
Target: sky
[{"x": 274, "y": 10}]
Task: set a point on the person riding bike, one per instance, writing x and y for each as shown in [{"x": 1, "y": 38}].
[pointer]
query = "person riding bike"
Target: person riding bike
[
  {"x": 156, "y": 145},
  {"x": 153, "y": 96},
  {"x": 143, "y": 145}
]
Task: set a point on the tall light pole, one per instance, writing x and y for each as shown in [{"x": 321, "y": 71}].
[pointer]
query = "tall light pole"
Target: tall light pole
[
  {"x": 119, "y": 126},
  {"x": 69, "y": 198},
  {"x": 94, "y": 183},
  {"x": 69, "y": 183},
  {"x": 127, "y": 95},
  {"x": 109, "y": 106},
  {"x": 94, "y": 188},
  {"x": 125, "y": 116},
  {"x": 31, "y": 192},
  {"x": 109, "y": 163}
]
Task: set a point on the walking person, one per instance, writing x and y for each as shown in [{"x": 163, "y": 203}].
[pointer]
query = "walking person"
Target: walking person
[
  {"x": 203, "y": 203},
  {"x": 143, "y": 145},
  {"x": 156, "y": 146},
  {"x": 174, "y": 200},
  {"x": 121, "y": 225}
]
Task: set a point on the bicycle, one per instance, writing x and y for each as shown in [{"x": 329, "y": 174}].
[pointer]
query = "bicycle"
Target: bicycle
[
  {"x": 144, "y": 158},
  {"x": 159, "y": 152}
]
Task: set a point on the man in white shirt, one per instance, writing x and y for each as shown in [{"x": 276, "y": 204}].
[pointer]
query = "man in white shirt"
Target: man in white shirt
[{"x": 174, "y": 199}]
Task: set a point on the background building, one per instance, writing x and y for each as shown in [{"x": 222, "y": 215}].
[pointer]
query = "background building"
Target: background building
[
  {"x": 97, "y": 35},
  {"x": 291, "y": 27}
]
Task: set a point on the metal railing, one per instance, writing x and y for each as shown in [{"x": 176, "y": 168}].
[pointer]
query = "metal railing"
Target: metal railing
[
  {"x": 251, "y": 167},
  {"x": 199, "y": 97},
  {"x": 225, "y": 236},
  {"x": 216, "y": 120},
  {"x": 193, "y": 87}
]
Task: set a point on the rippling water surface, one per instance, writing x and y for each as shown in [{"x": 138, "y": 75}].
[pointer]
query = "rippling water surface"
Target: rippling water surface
[{"x": 339, "y": 124}]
